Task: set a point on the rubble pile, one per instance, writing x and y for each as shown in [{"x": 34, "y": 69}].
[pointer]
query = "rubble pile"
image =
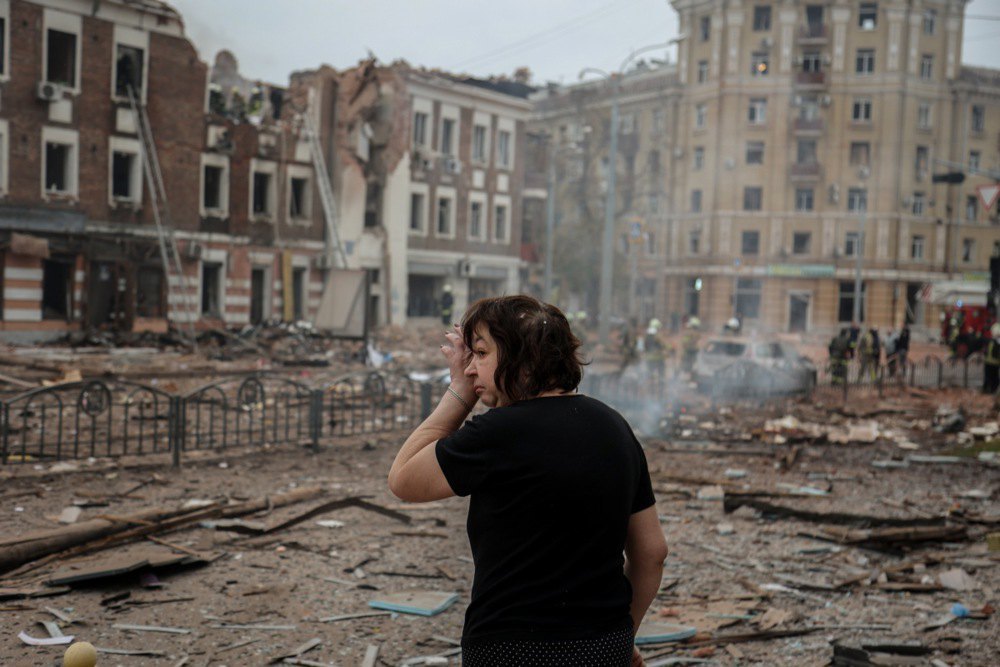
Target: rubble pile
[{"x": 801, "y": 533}]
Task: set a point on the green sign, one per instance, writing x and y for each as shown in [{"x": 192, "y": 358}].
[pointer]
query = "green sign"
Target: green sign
[{"x": 801, "y": 270}]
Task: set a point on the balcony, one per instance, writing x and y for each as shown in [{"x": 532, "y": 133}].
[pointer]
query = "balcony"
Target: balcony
[
  {"x": 813, "y": 33},
  {"x": 806, "y": 171},
  {"x": 813, "y": 79},
  {"x": 808, "y": 125}
]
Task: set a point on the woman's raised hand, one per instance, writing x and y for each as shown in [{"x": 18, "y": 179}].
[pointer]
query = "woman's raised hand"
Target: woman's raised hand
[{"x": 458, "y": 356}]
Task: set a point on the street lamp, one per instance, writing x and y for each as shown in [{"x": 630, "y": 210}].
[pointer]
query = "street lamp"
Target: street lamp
[
  {"x": 863, "y": 174},
  {"x": 608, "y": 237}
]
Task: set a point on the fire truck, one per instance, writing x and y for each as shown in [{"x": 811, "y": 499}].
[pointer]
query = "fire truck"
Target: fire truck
[{"x": 966, "y": 317}]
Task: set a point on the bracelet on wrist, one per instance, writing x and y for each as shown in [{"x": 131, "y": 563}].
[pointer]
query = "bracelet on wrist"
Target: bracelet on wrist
[{"x": 459, "y": 398}]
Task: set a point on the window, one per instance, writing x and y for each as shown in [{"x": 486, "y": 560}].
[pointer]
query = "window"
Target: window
[
  {"x": 757, "y": 111},
  {"x": 57, "y": 289},
  {"x": 211, "y": 289},
  {"x": 444, "y": 217},
  {"x": 868, "y": 15},
  {"x": 761, "y": 18},
  {"x": 627, "y": 123},
  {"x": 447, "y": 137},
  {"x": 750, "y": 243},
  {"x": 845, "y": 311},
  {"x": 759, "y": 63},
  {"x": 926, "y": 66},
  {"x": 696, "y": 201},
  {"x": 299, "y": 292},
  {"x": 60, "y": 161},
  {"x": 702, "y": 71},
  {"x": 752, "y": 198},
  {"x": 503, "y": 148},
  {"x": 801, "y": 242},
  {"x": 864, "y": 62},
  {"x": 149, "y": 292},
  {"x": 920, "y": 163},
  {"x": 57, "y": 167},
  {"x": 852, "y": 244},
  {"x": 3, "y": 46},
  {"x": 860, "y": 154},
  {"x": 653, "y": 161},
  {"x": 3, "y": 164},
  {"x": 705, "y": 28},
  {"x": 699, "y": 158},
  {"x": 659, "y": 121},
  {"x": 814, "y": 20},
  {"x": 806, "y": 151},
  {"x": 700, "y": 115},
  {"x": 930, "y": 21},
  {"x": 694, "y": 242},
  {"x": 919, "y": 202},
  {"x": 973, "y": 160},
  {"x": 653, "y": 204},
  {"x": 917, "y": 247},
  {"x": 968, "y": 250},
  {"x": 122, "y": 172},
  {"x": 61, "y": 58},
  {"x": 857, "y": 200},
  {"x": 748, "y": 291},
  {"x": 755, "y": 152},
  {"x": 476, "y": 220},
  {"x": 500, "y": 228},
  {"x": 417, "y": 212},
  {"x": 978, "y": 118},
  {"x": 419, "y": 129},
  {"x": 804, "y": 199},
  {"x": 971, "y": 208},
  {"x": 262, "y": 193},
  {"x": 128, "y": 70},
  {"x": 479, "y": 143},
  {"x": 861, "y": 110},
  {"x": 299, "y": 199},
  {"x": 924, "y": 116},
  {"x": 812, "y": 61}
]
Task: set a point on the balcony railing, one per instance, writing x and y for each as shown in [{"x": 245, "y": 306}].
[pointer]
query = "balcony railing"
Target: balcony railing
[
  {"x": 810, "y": 78},
  {"x": 806, "y": 171},
  {"x": 808, "y": 125},
  {"x": 815, "y": 32}
]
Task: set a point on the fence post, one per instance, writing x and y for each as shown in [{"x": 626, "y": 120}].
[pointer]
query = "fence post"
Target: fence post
[
  {"x": 315, "y": 417},
  {"x": 940, "y": 382},
  {"x": 965, "y": 373},
  {"x": 425, "y": 400},
  {"x": 6, "y": 431},
  {"x": 879, "y": 378},
  {"x": 176, "y": 429}
]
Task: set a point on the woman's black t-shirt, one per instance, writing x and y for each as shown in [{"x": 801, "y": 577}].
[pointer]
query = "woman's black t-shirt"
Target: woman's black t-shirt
[{"x": 553, "y": 483}]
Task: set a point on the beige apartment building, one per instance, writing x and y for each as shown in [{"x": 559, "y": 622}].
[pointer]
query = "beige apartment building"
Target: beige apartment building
[{"x": 808, "y": 133}]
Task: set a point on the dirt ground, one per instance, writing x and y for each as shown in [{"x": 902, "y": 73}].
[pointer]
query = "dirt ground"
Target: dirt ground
[{"x": 727, "y": 574}]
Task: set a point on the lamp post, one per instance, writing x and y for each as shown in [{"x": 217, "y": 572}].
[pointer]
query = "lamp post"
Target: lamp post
[
  {"x": 608, "y": 236},
  {"x": 863, "y": 173}
]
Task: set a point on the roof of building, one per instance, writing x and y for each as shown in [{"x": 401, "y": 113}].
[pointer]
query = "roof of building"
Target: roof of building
[
  {"x": 498, "y": 84},
  {"x": 982, "y": 76}
]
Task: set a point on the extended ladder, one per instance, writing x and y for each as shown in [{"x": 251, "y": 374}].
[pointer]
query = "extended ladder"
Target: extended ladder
[
  {"x": 333, "y": 244},
  {"x": 173, "y": 268}
]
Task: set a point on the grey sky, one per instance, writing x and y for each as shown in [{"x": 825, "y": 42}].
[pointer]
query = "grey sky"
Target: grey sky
[{"x": 554, "y": 38}]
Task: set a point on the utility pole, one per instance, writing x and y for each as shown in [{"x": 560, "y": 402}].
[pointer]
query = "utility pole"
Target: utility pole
[
  {"x": 550, "y": 221},
  {"x": 863, "y": 173}
]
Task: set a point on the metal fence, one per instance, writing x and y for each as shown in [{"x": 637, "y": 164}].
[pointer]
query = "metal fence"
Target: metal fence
[
  {"x": 111, "y": 418},
  {"x": 885, "y": 378}
]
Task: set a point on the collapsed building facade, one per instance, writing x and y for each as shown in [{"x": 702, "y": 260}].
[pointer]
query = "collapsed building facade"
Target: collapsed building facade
[
  {"x": 422, "y": 168},
  {"x": 802, "y": 143}
]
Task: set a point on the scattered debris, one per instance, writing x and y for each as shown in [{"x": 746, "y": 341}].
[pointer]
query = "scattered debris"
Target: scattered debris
[{"x": 423, "y": 603}]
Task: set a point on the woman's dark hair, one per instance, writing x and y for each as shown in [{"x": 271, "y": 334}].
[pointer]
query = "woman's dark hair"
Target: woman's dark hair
[{"x": 537, "y": 349}]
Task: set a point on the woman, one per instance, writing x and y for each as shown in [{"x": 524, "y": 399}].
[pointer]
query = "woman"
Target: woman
[{"x": 559, "y": 489}]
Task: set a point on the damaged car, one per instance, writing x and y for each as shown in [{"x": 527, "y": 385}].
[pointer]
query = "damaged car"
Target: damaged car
[{"x": 728, "y": 365}]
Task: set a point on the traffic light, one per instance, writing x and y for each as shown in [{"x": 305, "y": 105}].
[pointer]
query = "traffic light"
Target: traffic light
[{"x": 954, "y": 177}]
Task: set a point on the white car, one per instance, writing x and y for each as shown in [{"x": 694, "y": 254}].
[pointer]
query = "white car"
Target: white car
[{"x": 760, "y": 365}]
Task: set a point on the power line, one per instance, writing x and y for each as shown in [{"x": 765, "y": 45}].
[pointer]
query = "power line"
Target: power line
[
  {"x": 981, "y": 17},
  {"x": 548, "y": 33}
]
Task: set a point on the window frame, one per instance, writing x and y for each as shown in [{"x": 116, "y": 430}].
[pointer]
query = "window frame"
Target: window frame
[
  {"x": 807, "y": 243},
  {"x": 977, "y": 122},
  {"x": 505, "y": 152},
  {"x": 864, "y": 62},
  {"x": 135, "y": 39},
  {"x": 700, "y": 115},
  {"x": 4, "y": 159},
  {"x": 222, "y": 162},
  {"x": 705, "y": 28},
  {"x": 422, "y": 193},
  {"x": 917, "y": 247},
  {"x": 696, "y": 201},
  {"x": 861, "y": 110},
  {"x": 758, "y": 58},
  {"x": 925, "y": 115},
  {"x": 501, "y": 203},
  {"x": 757, "y": 111},
  {"x": 930, "y": 22},
  {"x": 968, "y": 250},
  {"x": 300, "y": 172},
  {"x": 5, "y": 40},
  {"x": 129, "y": 147},
  {"x": 750, "y": 242},
  {"x": 698, "y": 158},
  {"x": 753, "y": 198},
  {"x": 270, "y": 168},
  {"x": 479, "y": 199},
  {"x": 754, "y": 153},
  {"x": 64, "y": 137},
  {"x": 479, "y": 147},
  {"x": 857, "y": 200},
  {"x": 448, "y": 195},
  {"x": 54, "y": 20},
  {"x": 853, "y": 244},
  {"x": 927, "y": 66},
  {"x": 869, "y": 11},
  {"x": 419, "y": 137},
  {"x": 805, "y": 200},
  {"x": 761, "y": 20}
]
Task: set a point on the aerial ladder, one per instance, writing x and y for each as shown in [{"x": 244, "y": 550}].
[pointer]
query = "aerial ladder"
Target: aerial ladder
[
  {"x": 178, "y": 291},
  {"x": 334, "y": 248}
]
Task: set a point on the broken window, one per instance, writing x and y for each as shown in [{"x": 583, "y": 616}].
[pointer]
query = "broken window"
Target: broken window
[
  {"x": 476, "y": 220},
  {"x": 752, "y": 198},
  {"x": 868, "y": 15},
  {"x": 447, "y": 137},
  {"x": 500, "y": 223},
  {"x": 122, "y": 165},
  {"x": 748, "y": 291},
  {"x": 61, "y": 58},
  {"x": 261, "y": 193},
  {"x": 416, "y": 212},
  {"x": 801, "y": 241},
  {"x": 860, "y": 154},
  {"x": 503, "y": 148},
  {"x": 211, "y": 289},
  {"x": 57, "y": 165},
  {"x": 444, "y": 217},
  {"x": 804, "y": 199},
  {"x": 755, "y": 152},
  {"x": 128, "y": 70},
  {"x": 149, "y": 292},
  {"x": 57, "y": 289},
  {"x": 212, "y": 194},
  {"x": 479, "y": 143},
  {"x": 750, "y": 243},
  {"x": 298, "y": 198},
  {"x": 419, "y": 129},
  {"x": 845, "y": 310}
]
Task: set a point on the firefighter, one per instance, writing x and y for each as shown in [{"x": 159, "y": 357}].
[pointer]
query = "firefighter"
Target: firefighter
[
  {"x": 991, "y": 360},
  {"x": 689, "y": 344},
  {"x": 839, "y": 350},
  {"x": 868, "y": 352},
  {"x": 654, "y": 350},
  {"x": 447, "y": 304}
]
